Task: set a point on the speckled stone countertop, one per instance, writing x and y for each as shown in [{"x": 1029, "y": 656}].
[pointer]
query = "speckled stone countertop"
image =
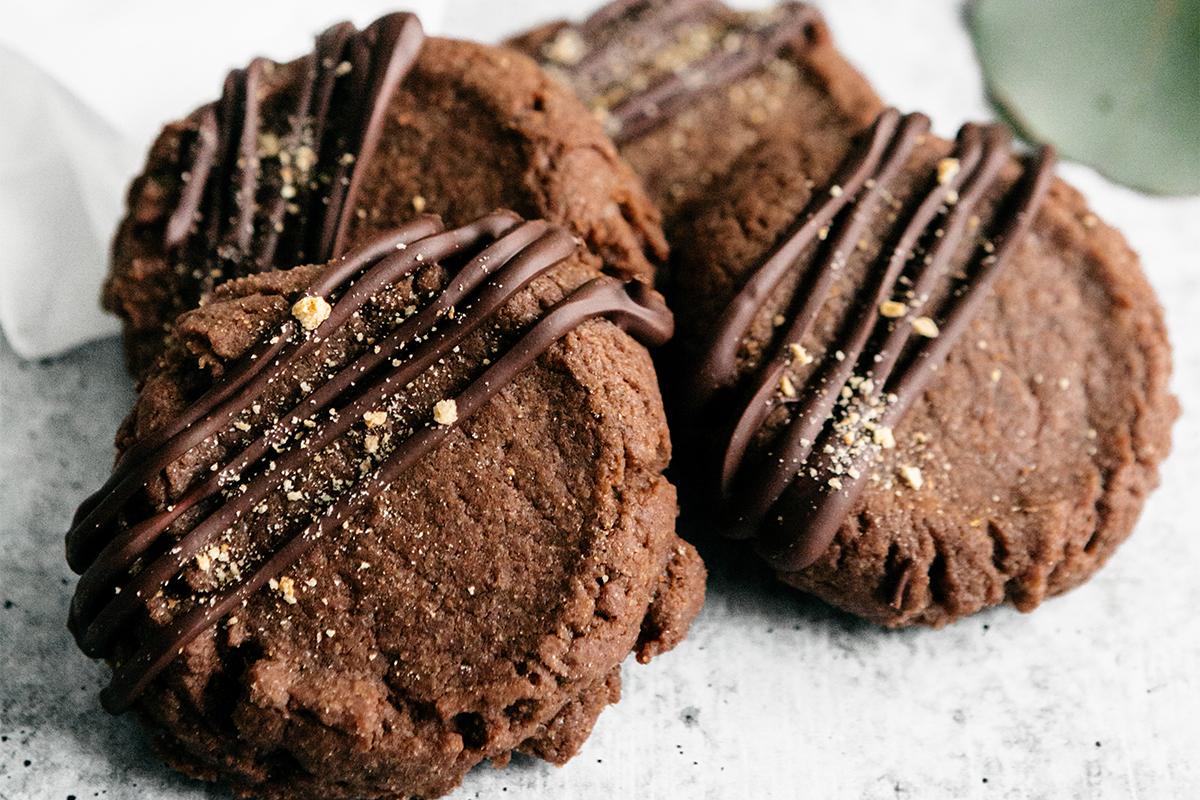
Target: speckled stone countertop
[{"x": 1096, "y": 695}]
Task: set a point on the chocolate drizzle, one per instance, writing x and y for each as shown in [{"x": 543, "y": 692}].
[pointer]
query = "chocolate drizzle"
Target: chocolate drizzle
[
  {"x": 795, "y": 491},
  {"x": 125, "y": 561},
  {"x": 637, "y": 63},
  {"x": 277, "y": 186}
]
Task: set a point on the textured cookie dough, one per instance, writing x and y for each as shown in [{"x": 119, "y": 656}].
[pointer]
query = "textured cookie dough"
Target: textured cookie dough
[
  {"x": 625, "y": 48},
  {"x": 470, "y": 129},
  {"x": 1026, "y": 461},
  {"x": 481, "y": 605}
]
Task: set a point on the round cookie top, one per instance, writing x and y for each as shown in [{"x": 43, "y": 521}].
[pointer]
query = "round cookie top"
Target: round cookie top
[
  {"x": 685, "y": 86},
  {"x": 379, "y": 520},
  {"x": 939, "y": 381},
  {"x": 298, "y": 162}
]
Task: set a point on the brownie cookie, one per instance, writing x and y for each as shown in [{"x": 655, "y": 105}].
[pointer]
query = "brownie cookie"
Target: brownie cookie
[
  {"x": 377, "y": 521},
  {"x": 298, "y": 162},
  {"x": 685, "y": 86},
  {"x": 936, "y": 381}
]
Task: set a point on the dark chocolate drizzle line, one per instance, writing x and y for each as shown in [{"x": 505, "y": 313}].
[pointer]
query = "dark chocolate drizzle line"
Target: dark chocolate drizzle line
[
  {"x": 501, "y": 255},
  {"x": 654, "y": 24},
  {"x": 231, "y": 206},
  {"x": 784, "y": 495}
]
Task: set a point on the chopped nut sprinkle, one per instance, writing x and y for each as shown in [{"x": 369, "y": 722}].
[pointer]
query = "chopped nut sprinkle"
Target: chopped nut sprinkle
[
  {"x": 418, "y": 203},
  {"x": 947, "y": 169},
  {"x": 786, "y": 387},
  {"x": 311, "y": 311},
  {"x": 800, "y": 355},
  {"x": 912, "y": 476},
  {"x": 445, "y": 412},
  {"x": 892, "y": 309},
  {"x": 374, "y": 419},
  {"x": 287, "y": 588},
  {"x": 926, "y": 327},
  {"x": 884, "y": 437}
]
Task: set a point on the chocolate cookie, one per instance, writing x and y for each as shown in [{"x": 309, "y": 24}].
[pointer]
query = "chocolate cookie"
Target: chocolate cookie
[
  {"x": 379, "y": 520},
  {"x": 685, "y": 86},
  {"x": 935, "y": 379},
  {"x": 298, "y": 162}
]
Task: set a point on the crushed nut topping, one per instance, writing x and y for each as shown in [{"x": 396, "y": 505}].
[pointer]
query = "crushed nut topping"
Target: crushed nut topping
[
  {"x": 926, "y": 327},
  {"x": 445, "y": 412},
  {"x": 311, "y": 311},
  {"x": 912, "y": 476},
  {"x": 947, "y": 169}
]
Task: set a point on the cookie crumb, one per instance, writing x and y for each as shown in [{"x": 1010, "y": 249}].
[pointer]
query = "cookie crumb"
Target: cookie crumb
[
  {"x": 800, "y": 355},
  {"x": 311, "y": 311},
  {"x": 786, "y": 387},
  {"x": 947, "y": 169},
  {"x": 892, "y": 309},
  {"x": 374, "y": 419},
  {"x": 445, "y": 412},
  {"x": 418, "y": 203},
  {"x": 912, "y": 476},
  {"x": 884, "y": 437},
  {"x": 567, "y": 48},
  {"x": 924, "y": 326},
  {"x": 287, "y": 589}
]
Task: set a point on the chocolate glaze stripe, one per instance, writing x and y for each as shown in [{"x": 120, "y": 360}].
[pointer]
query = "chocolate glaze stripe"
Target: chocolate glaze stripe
[
  {"x": 807, "y": 433},
  {"x": 394, "y": 42},
  {"x": 264, "y": 250},
  {"x": 798, "y": 441},
  {"x": 634, "y": 33},
  {"x": 635, "y": 309},
  {"x": 248, "y": 166},
  {"x": 322, "y": 66},
  {"x": 204, "y": 143},
  {"x": 125, "y": 548},
  {"x": 519, "y": 257},
  {"x": 825, "y": 510},
  {"x": 787, "y": 485},
  {"x": 429, "y": 250},
  {"x": 229, "y": 396},
  {"x": 236, "y": 391},
  {"x": 646, "y": 24},
  {"x": 846, "y": 233},
  {"x": 648, "y": 109},
  {"x": 718, "y": 368},
  {"x": 225, "y": 149}
]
